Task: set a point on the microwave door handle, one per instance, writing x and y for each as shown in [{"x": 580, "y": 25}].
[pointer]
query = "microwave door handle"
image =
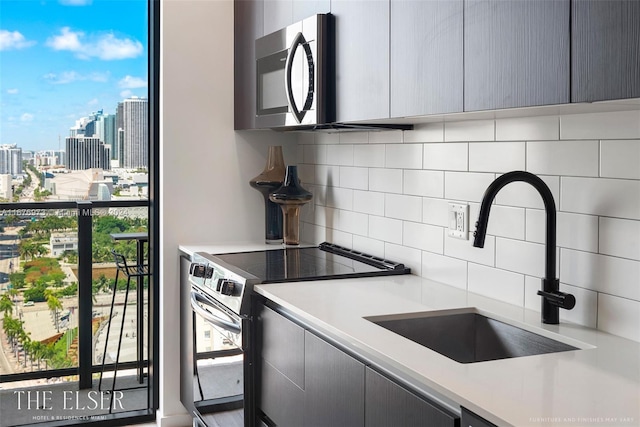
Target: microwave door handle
[
  {"x": 196, "y": 299},
  {"x": 299, "y": 40}
]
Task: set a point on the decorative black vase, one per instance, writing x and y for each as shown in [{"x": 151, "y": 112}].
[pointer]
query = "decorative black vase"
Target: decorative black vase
[
  {"x": 271, "y": 179},
  {"x": 291, "y": 196}
]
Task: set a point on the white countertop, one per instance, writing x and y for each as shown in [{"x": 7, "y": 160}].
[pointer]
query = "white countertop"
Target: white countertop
[{"x": 596, "y": 385}]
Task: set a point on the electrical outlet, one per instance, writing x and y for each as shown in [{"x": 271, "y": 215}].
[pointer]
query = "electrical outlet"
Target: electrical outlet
[{"x": 459, "y": 221}]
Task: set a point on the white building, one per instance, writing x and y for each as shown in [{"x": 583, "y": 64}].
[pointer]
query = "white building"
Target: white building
[
  {"x": 10, "y": 159},
  {"x": 60, "y": 242},
  {"x": 135, "y": 146},
  {"x": 5, "y": 187}
]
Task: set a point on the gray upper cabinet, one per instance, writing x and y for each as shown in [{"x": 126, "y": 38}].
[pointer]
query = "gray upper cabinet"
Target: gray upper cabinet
[
  {"x": 426, "y": 57},
  {"x": 277, "y": 15},
  {"x": 248, "y": 26},
  {"x": 302, "y": 9},
  {"x": 361, "y": 59},
  {"x": 605, "y": 50},
  {"x": 516, "y": 53}
]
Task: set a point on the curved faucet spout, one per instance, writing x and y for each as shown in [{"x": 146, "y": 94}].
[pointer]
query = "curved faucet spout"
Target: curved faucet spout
[{"x": 552, "y": 298}]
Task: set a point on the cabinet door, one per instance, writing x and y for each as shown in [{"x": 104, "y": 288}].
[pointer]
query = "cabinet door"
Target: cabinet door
[
  {"x": 334, "y": 386},
  {"x": 426, "y": 57},
  {"x": 281, "y": 372},
  {"x": 516, "y": 53},
  {"x": 388, "y": 405},
  {"x": 248, "y": 26},
  {"x": 361, "y": 59},
  {"x": 302, "y": 9},
  {"x": 277, "y": 15},
  {"x": 605, "y": 39}
]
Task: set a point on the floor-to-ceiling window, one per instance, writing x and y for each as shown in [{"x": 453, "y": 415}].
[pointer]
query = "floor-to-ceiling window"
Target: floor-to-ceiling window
[{"x": 78, "y": 173}]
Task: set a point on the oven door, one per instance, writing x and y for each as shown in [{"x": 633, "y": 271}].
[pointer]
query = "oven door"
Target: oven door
[{"x": 218, "y": 358}]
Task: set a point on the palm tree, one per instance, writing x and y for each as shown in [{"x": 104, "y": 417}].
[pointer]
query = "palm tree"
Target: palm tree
[
  {"x": 6, "y": 305},
  {"x": 54, "y": 305}
]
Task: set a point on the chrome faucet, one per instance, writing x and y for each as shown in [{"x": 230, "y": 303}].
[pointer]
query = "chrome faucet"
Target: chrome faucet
[{"x": 552, "y": 298}]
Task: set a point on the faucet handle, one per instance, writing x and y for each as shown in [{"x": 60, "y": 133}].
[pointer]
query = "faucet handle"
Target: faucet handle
[{"x": 560, "y": 299}]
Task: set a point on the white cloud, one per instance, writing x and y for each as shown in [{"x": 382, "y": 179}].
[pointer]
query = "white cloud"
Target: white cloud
[
  {"x": 106, "y": 46},
  {"x": 13, "y": 40},
  {"x": 129, "y": 82},
  {"x": 26, "y": 117},
  {"x": 12, "y": 91},
  {"x": 72, "y": 76},
  {"x": 75, "y": 2},
  {"x": 126, "y": 93}
]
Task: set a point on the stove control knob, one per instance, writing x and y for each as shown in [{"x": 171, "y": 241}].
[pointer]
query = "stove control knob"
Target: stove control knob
[
  {"x": 197, "y": 270},
  {"x": 208, "y": 274},
  {"x": 229, "y": 287}
]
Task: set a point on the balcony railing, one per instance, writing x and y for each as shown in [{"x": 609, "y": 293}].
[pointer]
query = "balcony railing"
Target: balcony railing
[{"x": 79, "y": 321}]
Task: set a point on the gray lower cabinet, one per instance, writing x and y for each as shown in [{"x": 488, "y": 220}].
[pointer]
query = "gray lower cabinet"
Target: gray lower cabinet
[
  {"x": 334, "y": 386},
  {"x": 605, "y": 51},
  {"x": 304, "y": 381},
  {"x": 516, "y": 53},
  {"x": 388, "y": 405},
  {"x": 426, "y": 57}
]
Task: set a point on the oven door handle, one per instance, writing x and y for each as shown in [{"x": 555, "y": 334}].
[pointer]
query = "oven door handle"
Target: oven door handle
[{"x": 197, "y": 299}]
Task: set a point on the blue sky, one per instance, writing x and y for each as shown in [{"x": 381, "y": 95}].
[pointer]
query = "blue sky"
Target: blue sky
[{"x": 60, "y": 60}]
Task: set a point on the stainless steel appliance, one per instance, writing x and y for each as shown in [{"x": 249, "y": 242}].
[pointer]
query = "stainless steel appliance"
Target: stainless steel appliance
[
  {"x": 291, "y": 69},
  {"x": 221, "y": 288}
]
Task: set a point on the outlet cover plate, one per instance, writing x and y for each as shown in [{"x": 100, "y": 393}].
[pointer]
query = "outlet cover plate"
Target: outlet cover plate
[{"x": 458, "y": 221}]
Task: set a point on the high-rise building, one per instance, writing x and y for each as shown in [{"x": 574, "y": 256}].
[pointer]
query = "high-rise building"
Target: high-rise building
[
  {"x": 106, "y": 131},
  {"x": 10, "y": 159},
  {"x": 86, "y": 153},
  {"x": 136, "y": 137}
]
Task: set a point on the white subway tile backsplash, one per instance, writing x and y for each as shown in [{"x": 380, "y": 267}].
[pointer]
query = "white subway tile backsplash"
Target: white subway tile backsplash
[
  {"x": 573, "y": 231},
  {"x": 341, "y": 198},
  {"x": 368, "y": 202},
  {"x": 423, "y": 236},
  {"x": 423, "y": 183},
  {"x": 498, "y": 284},
  {"x": 353, "y": 137},
  {"x": 611, "y": 125},
  {"x": 611, "y": 275},
  {"x": 619, "y": 316},
  {"x": 352, "y": 177},
  {"x": 573, "y": 158},
  {"x": 352, "y": 222},
  {"x": 496, "y": 157},
  {"x": 387, "y": 194},
  {"x": 327, "y": 175},
  {"x": 368, "y": 155},
  {"x": 504, "y": 221},
  {"x": 406, "y": 156},
  {"x": 446, "y": 156},
  {"x": 403, "y": 207},
  {"x": 410, "y": 257},
  {"x": 585, "y": 311},
  {"x": 528, "y": 128},
  {"x": 620, "y": 159},
  {"x": 427, "y": 132},
  {"x": 463, "y": 249},
  {"x": 386, "y": 137},
  {"x": 385, "y": 180},
  {"x": 435, "y": 211},
  {"x": 472, "y": 130},
  {"x": 523, "y": 195},
  {"x": 444, "y": 269},
  {"x": 521, "y": 257},
  {"x": 599, "y": 196},
  {"x": 385, "y": 229},
  {"x": 341, "y": 155},
  {"x": 620, "y": 237},
  {"x": 466, "y": 186}
]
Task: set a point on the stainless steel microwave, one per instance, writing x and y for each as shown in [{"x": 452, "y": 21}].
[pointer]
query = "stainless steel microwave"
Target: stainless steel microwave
[{"x": 292, "y": 69}]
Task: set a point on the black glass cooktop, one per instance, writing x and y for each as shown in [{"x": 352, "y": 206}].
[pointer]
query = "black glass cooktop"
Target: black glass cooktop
[{"x": 326, "y": 261}]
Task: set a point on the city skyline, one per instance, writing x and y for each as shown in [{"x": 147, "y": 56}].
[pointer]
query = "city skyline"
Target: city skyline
[{"x": 65, "y": 59}]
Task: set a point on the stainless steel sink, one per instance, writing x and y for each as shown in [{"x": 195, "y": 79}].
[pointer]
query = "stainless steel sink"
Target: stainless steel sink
[{"x": 469, "y": 337}]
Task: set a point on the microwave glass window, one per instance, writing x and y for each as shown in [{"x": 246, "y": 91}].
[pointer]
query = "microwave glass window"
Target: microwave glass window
[{"x": 274, "y": 94}]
